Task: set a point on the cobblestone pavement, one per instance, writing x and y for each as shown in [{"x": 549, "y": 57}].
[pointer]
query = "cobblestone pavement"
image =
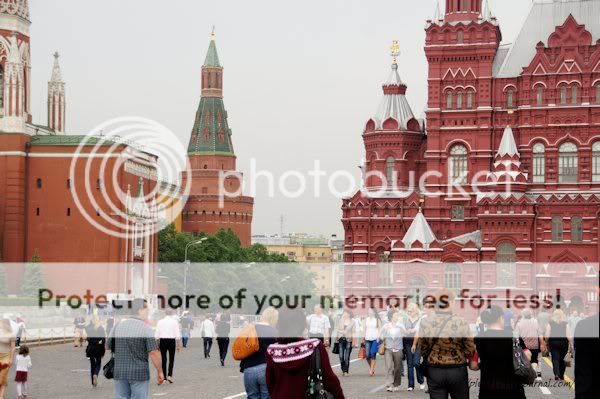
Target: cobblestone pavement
[{"x": 62, "y": 371}]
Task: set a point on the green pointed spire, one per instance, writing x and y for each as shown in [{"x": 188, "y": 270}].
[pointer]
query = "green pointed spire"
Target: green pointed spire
[{"x": 212, "y": 57}]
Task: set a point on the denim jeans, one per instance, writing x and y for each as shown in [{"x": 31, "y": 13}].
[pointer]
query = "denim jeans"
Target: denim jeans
[
  {"x": 371, "y": 348},
  {"x": 255, "y": 382},
  {"x": 412, "y": 362},
  {"x": 95, "y": 365},
  {"x": 125, "y": 389},
  {"x": 345, "y": 351},
  {"x": 208, "y": 342}
]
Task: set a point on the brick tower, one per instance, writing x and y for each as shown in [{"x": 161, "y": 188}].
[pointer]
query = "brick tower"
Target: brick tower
[
  {"x": 14, "y": 116},
  {"x": 213, "y": 163}
]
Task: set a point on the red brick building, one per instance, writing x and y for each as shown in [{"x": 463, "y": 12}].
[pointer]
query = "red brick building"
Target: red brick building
[
  {"x": 213, "y": 164},
  {"x": 511, "y": 146},
  {"x": 45, "y": 208}
]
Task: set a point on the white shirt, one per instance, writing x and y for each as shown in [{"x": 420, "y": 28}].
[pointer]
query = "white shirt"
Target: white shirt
[
  {"x": 207, "y": 328},
  {"x": 318, "y": 324},
  {"x": 371, "y": 329},
  {"x": 23, "y": 363},
  {"x": 167, "y": 328}
]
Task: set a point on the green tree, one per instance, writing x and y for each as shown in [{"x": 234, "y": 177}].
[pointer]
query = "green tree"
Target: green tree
[{"x": 33, "y": 279}]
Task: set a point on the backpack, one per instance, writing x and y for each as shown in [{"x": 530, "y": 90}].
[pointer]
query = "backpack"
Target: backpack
[{"x": 246, "y": 344}]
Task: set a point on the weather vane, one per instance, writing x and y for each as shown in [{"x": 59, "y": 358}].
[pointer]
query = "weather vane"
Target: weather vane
[{"x": 395, "y": 50}]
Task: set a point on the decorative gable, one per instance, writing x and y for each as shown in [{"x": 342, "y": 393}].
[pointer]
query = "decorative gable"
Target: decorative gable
[{"x": 570, "y": 34}]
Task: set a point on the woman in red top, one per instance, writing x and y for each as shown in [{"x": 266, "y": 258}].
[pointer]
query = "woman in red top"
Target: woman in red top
[{"x": 288, "y": 360}]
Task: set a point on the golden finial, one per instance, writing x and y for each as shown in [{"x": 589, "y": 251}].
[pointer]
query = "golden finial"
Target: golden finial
[{"x": 395, "y": 51}]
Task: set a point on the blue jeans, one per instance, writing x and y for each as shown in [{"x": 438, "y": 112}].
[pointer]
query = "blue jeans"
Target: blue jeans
[
  {"x": 345, "y": 351},
  {"x": 255, "y": 382},
  {"x": 412, "y": 362},
  {"x": 371, "y": 347},
  {"x": 125, "y": 389}
]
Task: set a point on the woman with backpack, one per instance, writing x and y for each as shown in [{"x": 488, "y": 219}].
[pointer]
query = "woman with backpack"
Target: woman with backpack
[
  {"x": 294, "y": 363},
  {"x": 254, "y": 365}
]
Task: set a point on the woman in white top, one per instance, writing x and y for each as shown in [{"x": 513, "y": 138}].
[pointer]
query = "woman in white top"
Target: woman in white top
[
  {"x": 391, "y": 336},
  {"x": 207, "y": 330},
  {"x": 371, "y": 330}
]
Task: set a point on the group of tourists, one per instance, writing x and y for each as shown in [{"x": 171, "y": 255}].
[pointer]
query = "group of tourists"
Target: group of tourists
[{"x": 433, "y": 346}]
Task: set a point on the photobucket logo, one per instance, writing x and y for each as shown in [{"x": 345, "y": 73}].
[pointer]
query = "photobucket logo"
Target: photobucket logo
[
  {"x": 125, "y": 177},
  {"x": 342, "y": 184}
]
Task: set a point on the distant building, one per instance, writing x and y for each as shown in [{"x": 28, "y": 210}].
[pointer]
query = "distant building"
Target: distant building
[
  {"x": 314, "y": 252},
  {"x": 213, "y": 164}
]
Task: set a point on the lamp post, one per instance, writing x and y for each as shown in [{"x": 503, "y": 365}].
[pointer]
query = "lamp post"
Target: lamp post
[{"x": 186, "y": 263}]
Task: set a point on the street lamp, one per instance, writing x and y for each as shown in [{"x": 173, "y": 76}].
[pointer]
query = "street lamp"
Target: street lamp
[{"x": 187, "y": 264}]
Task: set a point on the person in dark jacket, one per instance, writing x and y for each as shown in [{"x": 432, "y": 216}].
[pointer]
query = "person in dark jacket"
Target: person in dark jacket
[
  {"x": 96, "y": 347},
  {"x": 495, "y": 349},
  {"x": 587, "y": 353},
  {"x": 288, "y": 360},
  {"x": 223, "y": 328}
]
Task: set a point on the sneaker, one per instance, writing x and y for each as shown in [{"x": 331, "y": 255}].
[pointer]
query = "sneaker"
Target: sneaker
[
  {"x": 395, "y": 389},
  {"x": 410, "y": 389},
  {"x": 389, "y": 389},
  {"x": 422, "y": 386}
]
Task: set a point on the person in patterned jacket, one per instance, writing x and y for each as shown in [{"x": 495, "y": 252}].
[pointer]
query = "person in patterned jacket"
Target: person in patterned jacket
[
  {"x": 288, "y": 360},
  {"x": 446, "y": 344}
]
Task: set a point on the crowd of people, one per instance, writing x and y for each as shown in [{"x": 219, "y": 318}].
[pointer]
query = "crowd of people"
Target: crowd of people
[{"x": 432, "y": 346}]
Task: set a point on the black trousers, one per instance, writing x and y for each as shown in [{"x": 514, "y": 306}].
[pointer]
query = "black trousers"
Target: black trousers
[
  {"x": 208, "y": 342},
  {"x": 167, "y": 347},
  {"x": 444, "y": 381},
  {"x": 95, "y": 364},
  {"x": 223, "y": 347},
  {"x": 558, "y": 353}
]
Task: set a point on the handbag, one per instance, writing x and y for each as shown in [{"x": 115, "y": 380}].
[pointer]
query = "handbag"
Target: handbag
[
  {"x": 316, "y": 387},
  {"x": 381, "y": 349},
  {"x": 423, "y": 366},
  {"x": 109, "y": 368},
  {"x": 522, "y": 366},
  {"x": 336, "y": 348},
  {"x": 362, "y": 352}
]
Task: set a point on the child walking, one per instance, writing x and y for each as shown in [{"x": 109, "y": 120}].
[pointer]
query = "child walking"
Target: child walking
[{"x": 23, "y": 363}]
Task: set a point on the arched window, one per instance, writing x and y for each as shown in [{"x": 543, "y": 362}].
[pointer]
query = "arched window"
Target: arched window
[
  {"x": 458, "y": 164},
  {"x": 449, "y": 100},
  {"x": 598, "y": 93},
  {"x": 506, "y": 257},
  {"x": 1, "y": 87},
  {"x": 416, "y": 290},
  {"x": 557, "y": 229},
  {"x": 539, "y": 163},
  {"x": 576, "y": 229},
  {"x": 563, "y": 94},
  {"x": 390, "y": 173},
  {"x": 459, "y": 100},
  {"x": 574, "y": 95},
  {"x": 460, "y": 37},
  {"x": 510, "y": 98},
  {"x": 567, "y": 163},
  {"x": 470, "y": 99},
  {"x": 453, "y": 277},
  {"x": 539, "y": 96},
  {"x": 596, "y": 161}
]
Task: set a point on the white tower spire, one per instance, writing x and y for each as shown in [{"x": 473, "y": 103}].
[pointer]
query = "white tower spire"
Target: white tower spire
[
  {"x": 14, "y": 90},
  {"x": 56, "y": 99},
  {"x": 486, "y": 13},
  {"x": 438, "y": 13}
]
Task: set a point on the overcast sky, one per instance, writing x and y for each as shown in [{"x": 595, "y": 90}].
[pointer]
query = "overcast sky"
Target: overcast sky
[{"x": 301, "y": 77}]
